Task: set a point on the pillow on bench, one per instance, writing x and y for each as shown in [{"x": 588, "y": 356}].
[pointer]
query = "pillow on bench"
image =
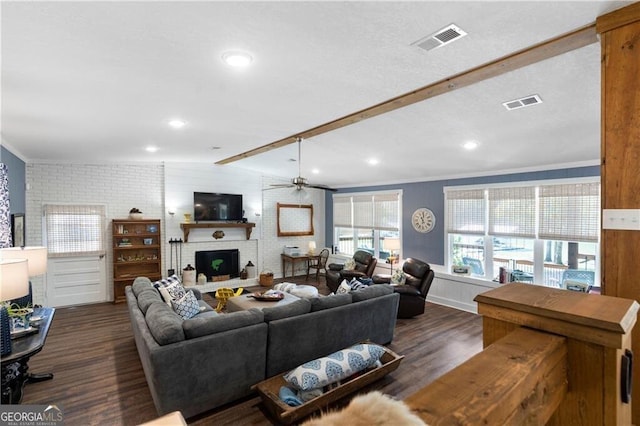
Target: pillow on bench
[{"x": 335, "y": 367}]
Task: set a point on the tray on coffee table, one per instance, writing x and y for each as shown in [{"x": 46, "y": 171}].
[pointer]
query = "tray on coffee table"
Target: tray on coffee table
[{"x": 286, "y": 414}]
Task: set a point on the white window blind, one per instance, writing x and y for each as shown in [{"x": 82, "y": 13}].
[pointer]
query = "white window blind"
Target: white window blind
[
  {"x": 386, "y": 212},
  {"x": 570, "y": 212},
  {"x": 363, "y": 211},
  {"x": 342, "y": 212},
  {"x": 465, "y": 211},
  {"x": 512, "y": 211},
  {"x": 74, "y": 230}
]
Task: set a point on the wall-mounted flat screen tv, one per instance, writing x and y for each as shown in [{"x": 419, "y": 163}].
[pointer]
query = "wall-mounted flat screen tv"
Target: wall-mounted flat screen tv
[{"x": 208, "y": 206}]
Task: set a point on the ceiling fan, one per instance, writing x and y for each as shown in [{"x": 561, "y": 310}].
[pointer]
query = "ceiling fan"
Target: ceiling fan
[{"x": 299, "y": 183}]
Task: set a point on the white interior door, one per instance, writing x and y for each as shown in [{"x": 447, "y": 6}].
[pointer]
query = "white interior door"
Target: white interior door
[{"x": 76, "y": 280}]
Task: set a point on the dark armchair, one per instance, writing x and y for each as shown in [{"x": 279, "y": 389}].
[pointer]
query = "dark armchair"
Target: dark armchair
[
  {"x": 413, "y": 292},
  {"x": 365, "y": 265}
]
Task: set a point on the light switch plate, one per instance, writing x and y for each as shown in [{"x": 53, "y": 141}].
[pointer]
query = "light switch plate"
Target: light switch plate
[{"x": 628, "y": 219}]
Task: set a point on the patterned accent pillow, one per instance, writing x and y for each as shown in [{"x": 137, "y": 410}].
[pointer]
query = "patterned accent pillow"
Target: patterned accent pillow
[
  {"x": 332, "y": 368},
  {"x": 170, "y": 288},
  {"x": 343, "y": 288},
  {"x": 355, "y": 284},
  {"x": 187, "y": 307},
  {"x": 398, "y": 277},
  {"x": 349, "y": 265}
]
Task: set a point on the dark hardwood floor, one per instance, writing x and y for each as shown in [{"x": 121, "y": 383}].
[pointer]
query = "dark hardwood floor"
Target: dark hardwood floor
[{"x": 98, "y": 378}]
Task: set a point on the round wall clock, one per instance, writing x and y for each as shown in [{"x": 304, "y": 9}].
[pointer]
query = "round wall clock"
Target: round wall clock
[{"x": 423, "y": 220}]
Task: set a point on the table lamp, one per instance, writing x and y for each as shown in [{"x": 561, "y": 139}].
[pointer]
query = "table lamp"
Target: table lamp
[
  {"x": 312, "y": 247},
  {"x": 393, "y": 245},
  {"x": 36, "y": 263},
  {"x": 14, "y": 283}
]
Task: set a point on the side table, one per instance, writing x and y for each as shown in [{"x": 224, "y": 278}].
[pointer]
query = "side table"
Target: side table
[{"x": 15, "y": 365}]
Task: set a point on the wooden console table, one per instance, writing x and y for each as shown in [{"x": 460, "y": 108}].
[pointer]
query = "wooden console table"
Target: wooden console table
[
  {"x": 15, "y": 365},
  {"x": 293, "y": 259},
  {"x": 187, "y": 227}
]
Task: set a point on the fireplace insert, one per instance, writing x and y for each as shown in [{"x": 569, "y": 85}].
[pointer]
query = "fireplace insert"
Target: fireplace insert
[{"x": 218, "y": 265}]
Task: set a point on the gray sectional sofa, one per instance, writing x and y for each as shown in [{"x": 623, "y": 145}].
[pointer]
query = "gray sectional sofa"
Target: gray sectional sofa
[{"x": 198, "y": 364}]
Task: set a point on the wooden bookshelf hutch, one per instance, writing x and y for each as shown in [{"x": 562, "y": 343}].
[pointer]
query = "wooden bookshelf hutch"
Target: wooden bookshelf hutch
[{"x": 137, "y": 251}]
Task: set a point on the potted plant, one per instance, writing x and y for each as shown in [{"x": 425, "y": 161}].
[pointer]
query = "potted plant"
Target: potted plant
[{"x": 134, "y": 213}]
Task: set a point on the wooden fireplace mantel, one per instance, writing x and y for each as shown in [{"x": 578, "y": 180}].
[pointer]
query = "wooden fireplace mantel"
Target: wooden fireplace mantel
[{"x": 187, "y": 227}]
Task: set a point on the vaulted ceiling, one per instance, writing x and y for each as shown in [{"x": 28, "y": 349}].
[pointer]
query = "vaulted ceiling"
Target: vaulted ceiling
[{"x": 97, "y": 82}]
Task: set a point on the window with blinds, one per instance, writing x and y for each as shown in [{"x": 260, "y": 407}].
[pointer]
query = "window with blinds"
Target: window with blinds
[
  {"x": 570, "y": 212},
  {"x": 512, "y": 212},
  {"x": 74, "y": 230},
  {"x": 539, "y": 229},
  {"x": 466, "y": 211},
  {"x": 363, "y": 221}
]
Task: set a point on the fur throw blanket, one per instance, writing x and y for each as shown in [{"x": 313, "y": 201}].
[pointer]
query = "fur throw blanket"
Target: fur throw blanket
[{"x": 372, "y": 409}]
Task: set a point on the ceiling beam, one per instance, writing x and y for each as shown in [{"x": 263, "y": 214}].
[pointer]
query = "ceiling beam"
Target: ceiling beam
[{"x": 539, "y": 52}]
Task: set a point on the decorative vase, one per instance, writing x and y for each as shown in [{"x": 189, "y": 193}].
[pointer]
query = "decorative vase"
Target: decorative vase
[
  {"x": 135, "y": 216},
  {"x": 187, "y": 218}
]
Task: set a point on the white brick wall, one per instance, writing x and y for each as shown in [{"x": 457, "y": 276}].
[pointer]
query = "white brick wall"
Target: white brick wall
[
  {"x": 272, "y": 245},
  {"x": 157, "y": 188},
  {"x": 119, "y": 186}
]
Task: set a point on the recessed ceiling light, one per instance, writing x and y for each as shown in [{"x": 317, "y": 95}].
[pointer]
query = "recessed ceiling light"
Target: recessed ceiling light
[
  {"x": 177, "y": 123},
  {"x": 470, "y": 146},
  {"x": 373, "y": 161},
  {"x": 237, "y": 59},
  {"x": 215, "y": 147},
  {"x": 151, "y": 148},
  {"x": 315, "y": 171}
]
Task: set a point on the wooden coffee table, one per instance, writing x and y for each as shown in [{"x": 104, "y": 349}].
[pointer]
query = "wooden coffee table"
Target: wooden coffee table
[{"x": 246, "y": 301}]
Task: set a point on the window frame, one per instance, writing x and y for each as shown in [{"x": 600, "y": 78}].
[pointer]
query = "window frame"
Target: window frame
[
  {"x": 538, "y": 250},
  {"x": 376, "y": 230}
]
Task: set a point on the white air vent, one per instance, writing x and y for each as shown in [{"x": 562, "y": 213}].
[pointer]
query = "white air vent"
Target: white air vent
[
  {"x": 440, "y": 38},
  {"x": 522, "y": 102}
]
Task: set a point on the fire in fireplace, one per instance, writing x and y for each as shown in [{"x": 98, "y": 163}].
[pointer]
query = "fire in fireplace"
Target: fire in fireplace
[{"x": 218, "y": 265}]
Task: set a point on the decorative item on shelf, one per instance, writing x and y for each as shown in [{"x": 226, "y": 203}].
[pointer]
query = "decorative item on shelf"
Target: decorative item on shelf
[
  {"x": 266, "y": 278},
  {"x": 243, "y": 274},
  {"x": 218, "y": 234},
  {"x": 135, "y": 214},
  {"x": 147, "y": 241},
  {"x": 461, "y": 269},
  {"x": 152, "y": 229},
  {"x": 312, "y": 248},
  {"x": 251, "y": 270},
  {"x": 202, "y": 279},
  {"x": 187, "y": 218}
]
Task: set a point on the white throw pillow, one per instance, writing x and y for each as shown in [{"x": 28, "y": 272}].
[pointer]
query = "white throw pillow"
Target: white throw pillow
[
  {"x": 343, "y": 288},
  {"x": 187, "y": 307}
]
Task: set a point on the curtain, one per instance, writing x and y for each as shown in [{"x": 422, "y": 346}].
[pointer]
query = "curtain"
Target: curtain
[{"x": 5, "y": 216}]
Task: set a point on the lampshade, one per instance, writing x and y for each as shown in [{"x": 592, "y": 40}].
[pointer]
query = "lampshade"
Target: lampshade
[
  {"x": 14, "y": 279},
  {"x": 36, "y": 257},
  {"x": 392, "y": 244},
  {"x": 312, "y": 247}
]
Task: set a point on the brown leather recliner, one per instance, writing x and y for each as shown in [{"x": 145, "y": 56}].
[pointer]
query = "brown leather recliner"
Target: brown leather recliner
[
  {"x": 413, "y": 292},
  {"x": 365, "y": 265}
]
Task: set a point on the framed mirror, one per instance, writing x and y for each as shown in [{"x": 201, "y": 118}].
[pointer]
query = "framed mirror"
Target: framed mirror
[{"x": 295, "y": 220}]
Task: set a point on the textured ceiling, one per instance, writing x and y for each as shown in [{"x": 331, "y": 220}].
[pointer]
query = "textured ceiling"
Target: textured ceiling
[{"x": 96, "y": 82}]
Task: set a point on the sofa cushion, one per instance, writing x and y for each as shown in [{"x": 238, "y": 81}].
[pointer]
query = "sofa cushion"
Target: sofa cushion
[
  {"x": 299, "y": 307},
  {"x": 140, "y": 284},
  {"x": 334, "y": 367},
  {"x": 164, "y": 324},
  {"x": 328, "y": 302},
  {"x": 187, "y": 306},
  {"x": 398, "y": 277},
  {"x": 147, "y": 297},
  {"x": 371, "y": 292},
  {"x": 207, "y": 323},
  {"x": 170, "y": 288}
]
